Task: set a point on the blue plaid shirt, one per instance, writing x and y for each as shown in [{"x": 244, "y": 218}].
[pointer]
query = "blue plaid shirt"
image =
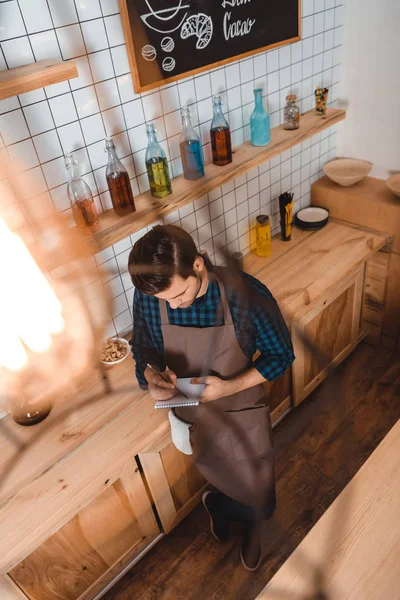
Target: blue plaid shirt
[{"x": 259, "y": 326}]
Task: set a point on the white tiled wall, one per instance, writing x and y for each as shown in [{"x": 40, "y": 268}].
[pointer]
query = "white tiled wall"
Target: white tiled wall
[{"x": 37, "y": 128}]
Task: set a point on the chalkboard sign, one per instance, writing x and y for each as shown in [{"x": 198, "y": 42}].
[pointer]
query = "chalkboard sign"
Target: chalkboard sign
[{"x": 171, "y": 39}]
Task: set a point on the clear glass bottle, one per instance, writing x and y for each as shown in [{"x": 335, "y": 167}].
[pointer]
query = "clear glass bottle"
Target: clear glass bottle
[
  {"x": 263, "y": 236},
  {"x": 157, "y": 166},
  {"x": 118, "y": 181},
  {"x": 291, "y": 113},
  {"x": 220, "y": 136},
  {"x": 83, "y": 207},
  {"x": 260, "y": 126},
  {"x": 191, "y": 150}
]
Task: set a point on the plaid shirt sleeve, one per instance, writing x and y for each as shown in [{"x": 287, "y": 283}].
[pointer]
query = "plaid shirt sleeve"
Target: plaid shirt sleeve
[
  {"x": 271, "y": 335},
  {"x": 143, "y": 348}
]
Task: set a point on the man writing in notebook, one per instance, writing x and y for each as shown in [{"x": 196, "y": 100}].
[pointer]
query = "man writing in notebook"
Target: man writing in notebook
[{"x": 190, "y": 317}]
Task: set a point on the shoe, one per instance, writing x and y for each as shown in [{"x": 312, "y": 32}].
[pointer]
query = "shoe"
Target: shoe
[
  {"x": 251, "y": 549},
  {"x": 218, "y": 524}
]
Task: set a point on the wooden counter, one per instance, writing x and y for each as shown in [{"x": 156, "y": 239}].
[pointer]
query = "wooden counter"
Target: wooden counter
[
  {"x": 76, "y": 465},
  {"x": 356, "y": 542}
]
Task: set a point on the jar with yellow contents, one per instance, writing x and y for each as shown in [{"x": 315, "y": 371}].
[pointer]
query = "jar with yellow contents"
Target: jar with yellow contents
[{"x": 263, "y": 236}]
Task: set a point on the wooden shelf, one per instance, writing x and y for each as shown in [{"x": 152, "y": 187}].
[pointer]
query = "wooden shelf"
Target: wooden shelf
[
  {"x": 34, "y": 76},
  {"x": 246, "y": 156}
]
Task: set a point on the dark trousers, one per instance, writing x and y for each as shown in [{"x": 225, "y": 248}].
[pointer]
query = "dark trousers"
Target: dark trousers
[{"x": 236, "y": 511}]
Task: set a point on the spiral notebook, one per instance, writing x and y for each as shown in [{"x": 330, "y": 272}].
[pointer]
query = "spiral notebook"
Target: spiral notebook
[{"x": 192, "y": 391}]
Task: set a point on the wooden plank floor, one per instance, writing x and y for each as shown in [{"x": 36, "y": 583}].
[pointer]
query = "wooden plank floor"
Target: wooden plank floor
[{"x": 320, "y": 446}]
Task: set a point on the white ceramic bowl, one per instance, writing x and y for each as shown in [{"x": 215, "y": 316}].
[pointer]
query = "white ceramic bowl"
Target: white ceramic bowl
[
  {"x": 393, "y": 184},
  {"x": 347, "y": 171},
  {"x": 120, "y": 360}
]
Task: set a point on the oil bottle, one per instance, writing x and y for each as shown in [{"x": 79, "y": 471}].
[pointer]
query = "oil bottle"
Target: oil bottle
[{"x": 157, "y": 166}]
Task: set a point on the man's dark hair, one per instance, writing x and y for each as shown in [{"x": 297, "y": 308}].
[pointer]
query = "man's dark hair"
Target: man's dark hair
[{"x": 163, "y": 252}]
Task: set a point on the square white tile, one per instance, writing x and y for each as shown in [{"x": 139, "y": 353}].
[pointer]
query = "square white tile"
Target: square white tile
[
  {"x": 94, "y": 34},
  {"x": 120, "y": 60},
  {"x": 203, "y": 87},
  {"x": 109, "y": 7},
  {"x": 284, "y": 56},
  {"x": 114, "y": 120},
  {"x": 23, "y": 155},
  {"x": 93, "y": 129},
  {"x": 63, "y": 13},
  {"x": 88, "y": 9},
  {"x": 86, "y": 102},
  {"x": 63, "y": 109},
  {"x": 36, "y": 15},
  {"x": 57, "y": 89},
  {"x": 39, "y": 117},
  {"x": 17, "y": 52},
  {"x": 71, "y": 137},
  {"x": 187, "y": 92},
  {"x": 12, "y": 25},
  {"x": 114, "y": 30},
  {"x": 47, "y": 146},
  {"x": 101, "y": 65},
  {"x": 32, "y": 97},
  {"x": 13, "y": 127},
  {"x": 232, "y": 73},
  {"x": 45, "y": 45},
  {"x": 134, "y": 114},
  {"x": 152, "y": 106},
  {"x": 55, "y": 172},
  {"x": 107, "y": 94},
  {"x": 71, "y": 41}
]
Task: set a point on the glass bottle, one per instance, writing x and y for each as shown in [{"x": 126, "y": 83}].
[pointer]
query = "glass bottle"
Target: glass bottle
[
  {"x": 260, "y": 127},
  {"x": 157, "y": 166},
  {"x": 220, "y": 136},
  {"x": 118, "y": 181},
  {"x": 191, "y": 151},
  {"x": 263, "y": 236},
  {"x": 83, "y": 207},
  {"x": 291, "y": 113},
  {"x": 321, "y": 96}
]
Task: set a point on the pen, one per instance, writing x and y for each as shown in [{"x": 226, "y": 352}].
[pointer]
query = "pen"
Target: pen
[{"x": 165, "y": 379}]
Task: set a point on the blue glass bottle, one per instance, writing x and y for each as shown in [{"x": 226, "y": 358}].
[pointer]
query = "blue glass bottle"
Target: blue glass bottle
[
  {"x": 259, "y": 122},
  {"x": 191, "y": 150}
]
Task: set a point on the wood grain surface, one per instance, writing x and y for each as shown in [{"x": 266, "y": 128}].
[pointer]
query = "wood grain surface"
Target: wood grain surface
[
  {"x": 319, "y": 448},
  {"x": 105, "y": 435},
  {"x": 37, "y": 75},
  {"x": 245, "y": 157}
]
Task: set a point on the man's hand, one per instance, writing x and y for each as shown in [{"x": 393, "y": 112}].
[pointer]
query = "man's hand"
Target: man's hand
[
  {"x": 215, "y": 388},
  {"x": 161, "y": 390}
]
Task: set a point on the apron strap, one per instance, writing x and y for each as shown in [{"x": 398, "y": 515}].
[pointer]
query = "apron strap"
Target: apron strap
[
  {"x": 224, "y": 302},
  {"x": 163, "y": 312}
]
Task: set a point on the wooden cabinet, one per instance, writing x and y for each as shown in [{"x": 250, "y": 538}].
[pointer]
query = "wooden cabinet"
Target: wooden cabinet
[
  {"x": 174, "y": 482},
  {"x": 326, "y": 335},
  {"x": 85, "y": 555}
]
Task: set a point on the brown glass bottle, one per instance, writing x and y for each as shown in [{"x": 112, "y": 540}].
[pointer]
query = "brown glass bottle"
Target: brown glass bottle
[
  {"x": 121, "y": 193},
  {"x": 221, "y": 146},
  {"x": 220, "y": 136},
  {"x": 118, "y": 182}
]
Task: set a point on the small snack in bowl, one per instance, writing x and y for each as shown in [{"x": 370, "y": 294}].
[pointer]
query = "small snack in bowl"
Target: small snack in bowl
[{"x": 114, "y": 350}]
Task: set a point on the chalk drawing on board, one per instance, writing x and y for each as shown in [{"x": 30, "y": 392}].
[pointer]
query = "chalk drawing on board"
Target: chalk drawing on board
[
  {"x": 167, "y": 44},
  {"x": 168, "y": 64},
  {"x": 149, "y": 53},
  {"x": 201, "y": 26},
  {"x": 155, "y": 18}
]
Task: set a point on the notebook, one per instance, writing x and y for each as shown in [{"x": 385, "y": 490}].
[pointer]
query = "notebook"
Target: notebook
[{"x": 192, "y": 391}]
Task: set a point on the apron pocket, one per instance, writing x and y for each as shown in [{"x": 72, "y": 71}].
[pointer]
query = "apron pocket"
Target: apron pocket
[{"x": 250, "y": 430}]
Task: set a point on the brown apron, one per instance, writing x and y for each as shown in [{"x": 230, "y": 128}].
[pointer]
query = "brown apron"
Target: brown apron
[{"x": 231, "y": 437}]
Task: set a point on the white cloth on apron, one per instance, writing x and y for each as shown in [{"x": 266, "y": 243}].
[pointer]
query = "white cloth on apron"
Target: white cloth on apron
[{"x": 180, "y": 433}]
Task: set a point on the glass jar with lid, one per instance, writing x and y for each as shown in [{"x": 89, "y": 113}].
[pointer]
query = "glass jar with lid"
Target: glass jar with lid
[
  {"x": 263, "y": 236},
  {"x": 291, "y": 113}
]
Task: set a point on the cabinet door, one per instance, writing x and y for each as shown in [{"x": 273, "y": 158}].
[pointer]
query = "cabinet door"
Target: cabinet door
[
  {"x": 332, "y": 327},
  {"x": 90, "y": 551},
  {"x": 175, "y": 483}
]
